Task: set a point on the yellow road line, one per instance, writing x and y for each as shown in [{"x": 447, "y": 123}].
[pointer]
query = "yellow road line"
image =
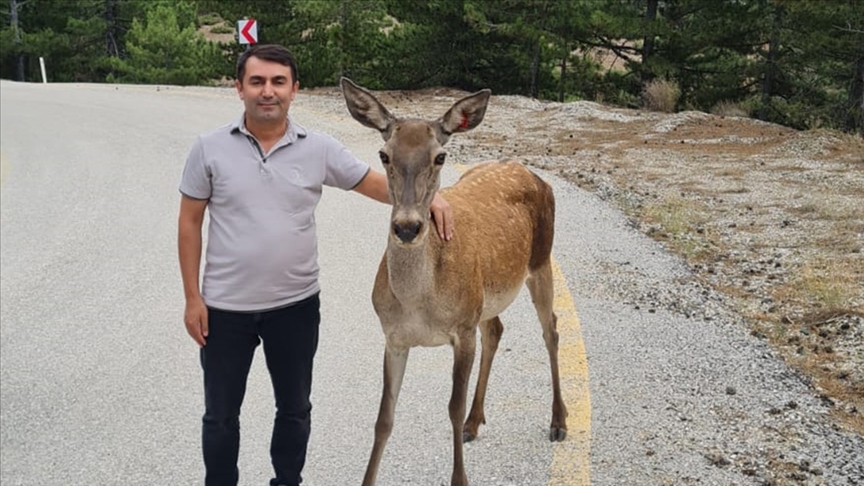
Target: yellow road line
[{"x": 571, "y": 458}]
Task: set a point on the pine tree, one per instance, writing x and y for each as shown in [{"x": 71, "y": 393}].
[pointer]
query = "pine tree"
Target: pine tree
[{"x": 162, "y": 51}]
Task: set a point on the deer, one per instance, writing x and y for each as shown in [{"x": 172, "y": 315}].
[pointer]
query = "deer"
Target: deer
[{"x": 428, "y": 292}]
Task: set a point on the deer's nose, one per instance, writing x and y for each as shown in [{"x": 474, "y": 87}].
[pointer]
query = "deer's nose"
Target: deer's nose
[{"x": 407, "y": 232}]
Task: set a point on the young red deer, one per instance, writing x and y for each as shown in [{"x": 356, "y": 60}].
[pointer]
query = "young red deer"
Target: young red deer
[{"x": 428, "y": 292}]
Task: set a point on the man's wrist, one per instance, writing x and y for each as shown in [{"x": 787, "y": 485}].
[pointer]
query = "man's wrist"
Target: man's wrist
[{"x": 193, "y": 296}]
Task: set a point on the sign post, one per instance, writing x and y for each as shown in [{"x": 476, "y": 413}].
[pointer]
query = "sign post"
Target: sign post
[{"x": 247, "y": 31}]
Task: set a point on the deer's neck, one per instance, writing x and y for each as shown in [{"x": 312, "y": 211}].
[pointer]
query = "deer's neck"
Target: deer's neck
[{"x": 410, "y": 274}]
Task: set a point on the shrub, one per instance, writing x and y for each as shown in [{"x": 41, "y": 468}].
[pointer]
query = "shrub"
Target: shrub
[
  {"x": 209, "y": 19},
  {"x": 222, "y": 29},
  {"x": 730, "y": 108},
  {"x": 661, "y": 95}
]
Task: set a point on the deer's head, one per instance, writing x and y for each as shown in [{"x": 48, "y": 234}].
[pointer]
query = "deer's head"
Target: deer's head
[{"x": 413, "y": 154}]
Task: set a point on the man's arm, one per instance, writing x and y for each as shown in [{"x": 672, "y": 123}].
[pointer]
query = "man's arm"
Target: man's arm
[
  {"x": 189, "y": 244},
  {"x": 374, "y": 185}
]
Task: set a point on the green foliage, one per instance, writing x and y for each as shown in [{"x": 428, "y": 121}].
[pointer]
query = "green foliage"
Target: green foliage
[
  {"x": 341, "y": 38},
  {"x": 210, "y": 19},
  {"x": 618, "y": 88},
  {"x": 222, "y": 29},
  {"x": 820, "y": 66},
  {"x": 796, "y": 62},
  {"x": 8, "y": 47},
  {"x": 161, "y": 51}
]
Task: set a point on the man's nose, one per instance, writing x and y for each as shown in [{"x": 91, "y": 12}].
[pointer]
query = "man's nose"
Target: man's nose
[{"x": 268, "y": 89}]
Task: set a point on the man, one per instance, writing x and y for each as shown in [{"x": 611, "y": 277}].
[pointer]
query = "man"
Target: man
[{"x": 261, "y": 178}]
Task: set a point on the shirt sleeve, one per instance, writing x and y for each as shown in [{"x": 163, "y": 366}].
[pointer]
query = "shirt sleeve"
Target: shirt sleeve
[
  {"x": 344, "y": 170},
  {"x": 195, "y": 182}
]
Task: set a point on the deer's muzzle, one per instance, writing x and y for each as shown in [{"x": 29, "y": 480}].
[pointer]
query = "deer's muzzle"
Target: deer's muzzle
[{"x": 407, "y": 231}]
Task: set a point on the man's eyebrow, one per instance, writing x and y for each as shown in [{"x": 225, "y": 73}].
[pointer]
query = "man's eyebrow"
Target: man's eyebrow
[{"x": 257, "y": 77}]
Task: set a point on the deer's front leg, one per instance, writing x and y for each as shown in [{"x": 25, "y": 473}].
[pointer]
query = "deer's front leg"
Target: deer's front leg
[
  {"x": 394, "y": 370},
  {"x": 463, "y": 360}
]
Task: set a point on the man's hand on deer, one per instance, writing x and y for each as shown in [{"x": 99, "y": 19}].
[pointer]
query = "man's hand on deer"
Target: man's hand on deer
[{"x": 442, "y": 215}]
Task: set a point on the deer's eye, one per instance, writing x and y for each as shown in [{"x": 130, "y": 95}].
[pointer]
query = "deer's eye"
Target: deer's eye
[
  {"x": 385, "y": 159},
  {"x": 439, "y": 159}
]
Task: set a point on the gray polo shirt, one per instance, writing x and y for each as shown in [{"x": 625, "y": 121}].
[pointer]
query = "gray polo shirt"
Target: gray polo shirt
[{"x": 262, "y": 250}]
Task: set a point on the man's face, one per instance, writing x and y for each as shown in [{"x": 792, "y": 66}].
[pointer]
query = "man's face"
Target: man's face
[{"x": 267, "y": 89}]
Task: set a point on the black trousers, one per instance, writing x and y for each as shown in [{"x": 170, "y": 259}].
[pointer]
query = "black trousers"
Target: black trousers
[{"x": 290, "y": 337}]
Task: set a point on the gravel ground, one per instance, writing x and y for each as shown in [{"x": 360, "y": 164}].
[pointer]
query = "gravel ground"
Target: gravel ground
[{"x": 766, "y": 228}]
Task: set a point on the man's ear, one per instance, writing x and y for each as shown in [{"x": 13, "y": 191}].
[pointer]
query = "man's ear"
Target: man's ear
[{"x": 239, "y": 87}]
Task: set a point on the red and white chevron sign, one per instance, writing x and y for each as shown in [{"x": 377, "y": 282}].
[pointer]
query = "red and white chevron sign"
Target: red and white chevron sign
[{"x": 247, "y": 31}]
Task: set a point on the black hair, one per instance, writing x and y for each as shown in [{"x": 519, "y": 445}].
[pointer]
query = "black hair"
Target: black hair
[{"x": 267, "y": 52}]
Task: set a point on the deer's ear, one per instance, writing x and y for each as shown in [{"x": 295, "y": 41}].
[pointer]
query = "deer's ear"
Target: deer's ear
[
  {"x": 466, "y": 113},
  {"x": 366, "y": 109}
]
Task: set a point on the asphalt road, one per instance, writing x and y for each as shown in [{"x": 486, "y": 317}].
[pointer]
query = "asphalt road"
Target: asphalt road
[{"x": 101, "y": 385}]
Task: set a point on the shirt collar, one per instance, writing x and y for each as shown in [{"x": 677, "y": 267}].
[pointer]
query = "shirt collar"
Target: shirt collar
[{"x": 294, "y": 132}]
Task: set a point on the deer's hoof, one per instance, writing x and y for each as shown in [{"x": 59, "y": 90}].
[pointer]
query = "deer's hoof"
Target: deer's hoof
[
  {"x": 557, "y": 434},
  {"x": 467, "y": 436}
]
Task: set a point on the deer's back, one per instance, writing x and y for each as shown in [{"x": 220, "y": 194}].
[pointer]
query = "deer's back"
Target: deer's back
[{"x": 505, "y": 218}]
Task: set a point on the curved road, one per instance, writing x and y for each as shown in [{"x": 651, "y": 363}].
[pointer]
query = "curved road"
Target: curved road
[{"x": 101, "y": 385}]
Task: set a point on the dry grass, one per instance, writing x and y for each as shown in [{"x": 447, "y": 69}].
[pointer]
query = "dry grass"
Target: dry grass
[
  {"x": 729, "y": 108},
  {"x": 828, "y": 284},
  {"x": 732, "y": 171},
  {"x": 677, "y": 220},
  {"x": 661, "y": 95},
  {"x": 674, "y": 214}
]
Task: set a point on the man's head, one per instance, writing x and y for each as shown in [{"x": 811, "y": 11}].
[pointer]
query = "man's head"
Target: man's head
[
  {"x": 267, "y": 52},
  {"x": 267, "y": 83}
]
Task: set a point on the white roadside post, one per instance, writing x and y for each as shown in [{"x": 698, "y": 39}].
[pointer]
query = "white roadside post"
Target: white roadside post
[{"x": 42, "y": 65}]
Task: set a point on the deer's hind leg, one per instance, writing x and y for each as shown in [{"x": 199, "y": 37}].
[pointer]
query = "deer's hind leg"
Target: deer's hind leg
[
  {"x": 490, "y": 332},
  {"x": 541, "y": 286}
]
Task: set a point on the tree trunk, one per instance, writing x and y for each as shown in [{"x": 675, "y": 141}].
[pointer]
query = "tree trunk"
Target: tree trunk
[
  {"x": 648, "y": 41},
  {"x": 771, "y": 64},
  {"x": 562, "y": 84},
  {"x": 535, "y": 69},
  {"x": 110, "y": 16},
  {"x": 19, "y": 57},
  {"x": 343, "y": 13},
  {"x": 535, "y": 61},
  {"x": 855, "y": 118}
]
